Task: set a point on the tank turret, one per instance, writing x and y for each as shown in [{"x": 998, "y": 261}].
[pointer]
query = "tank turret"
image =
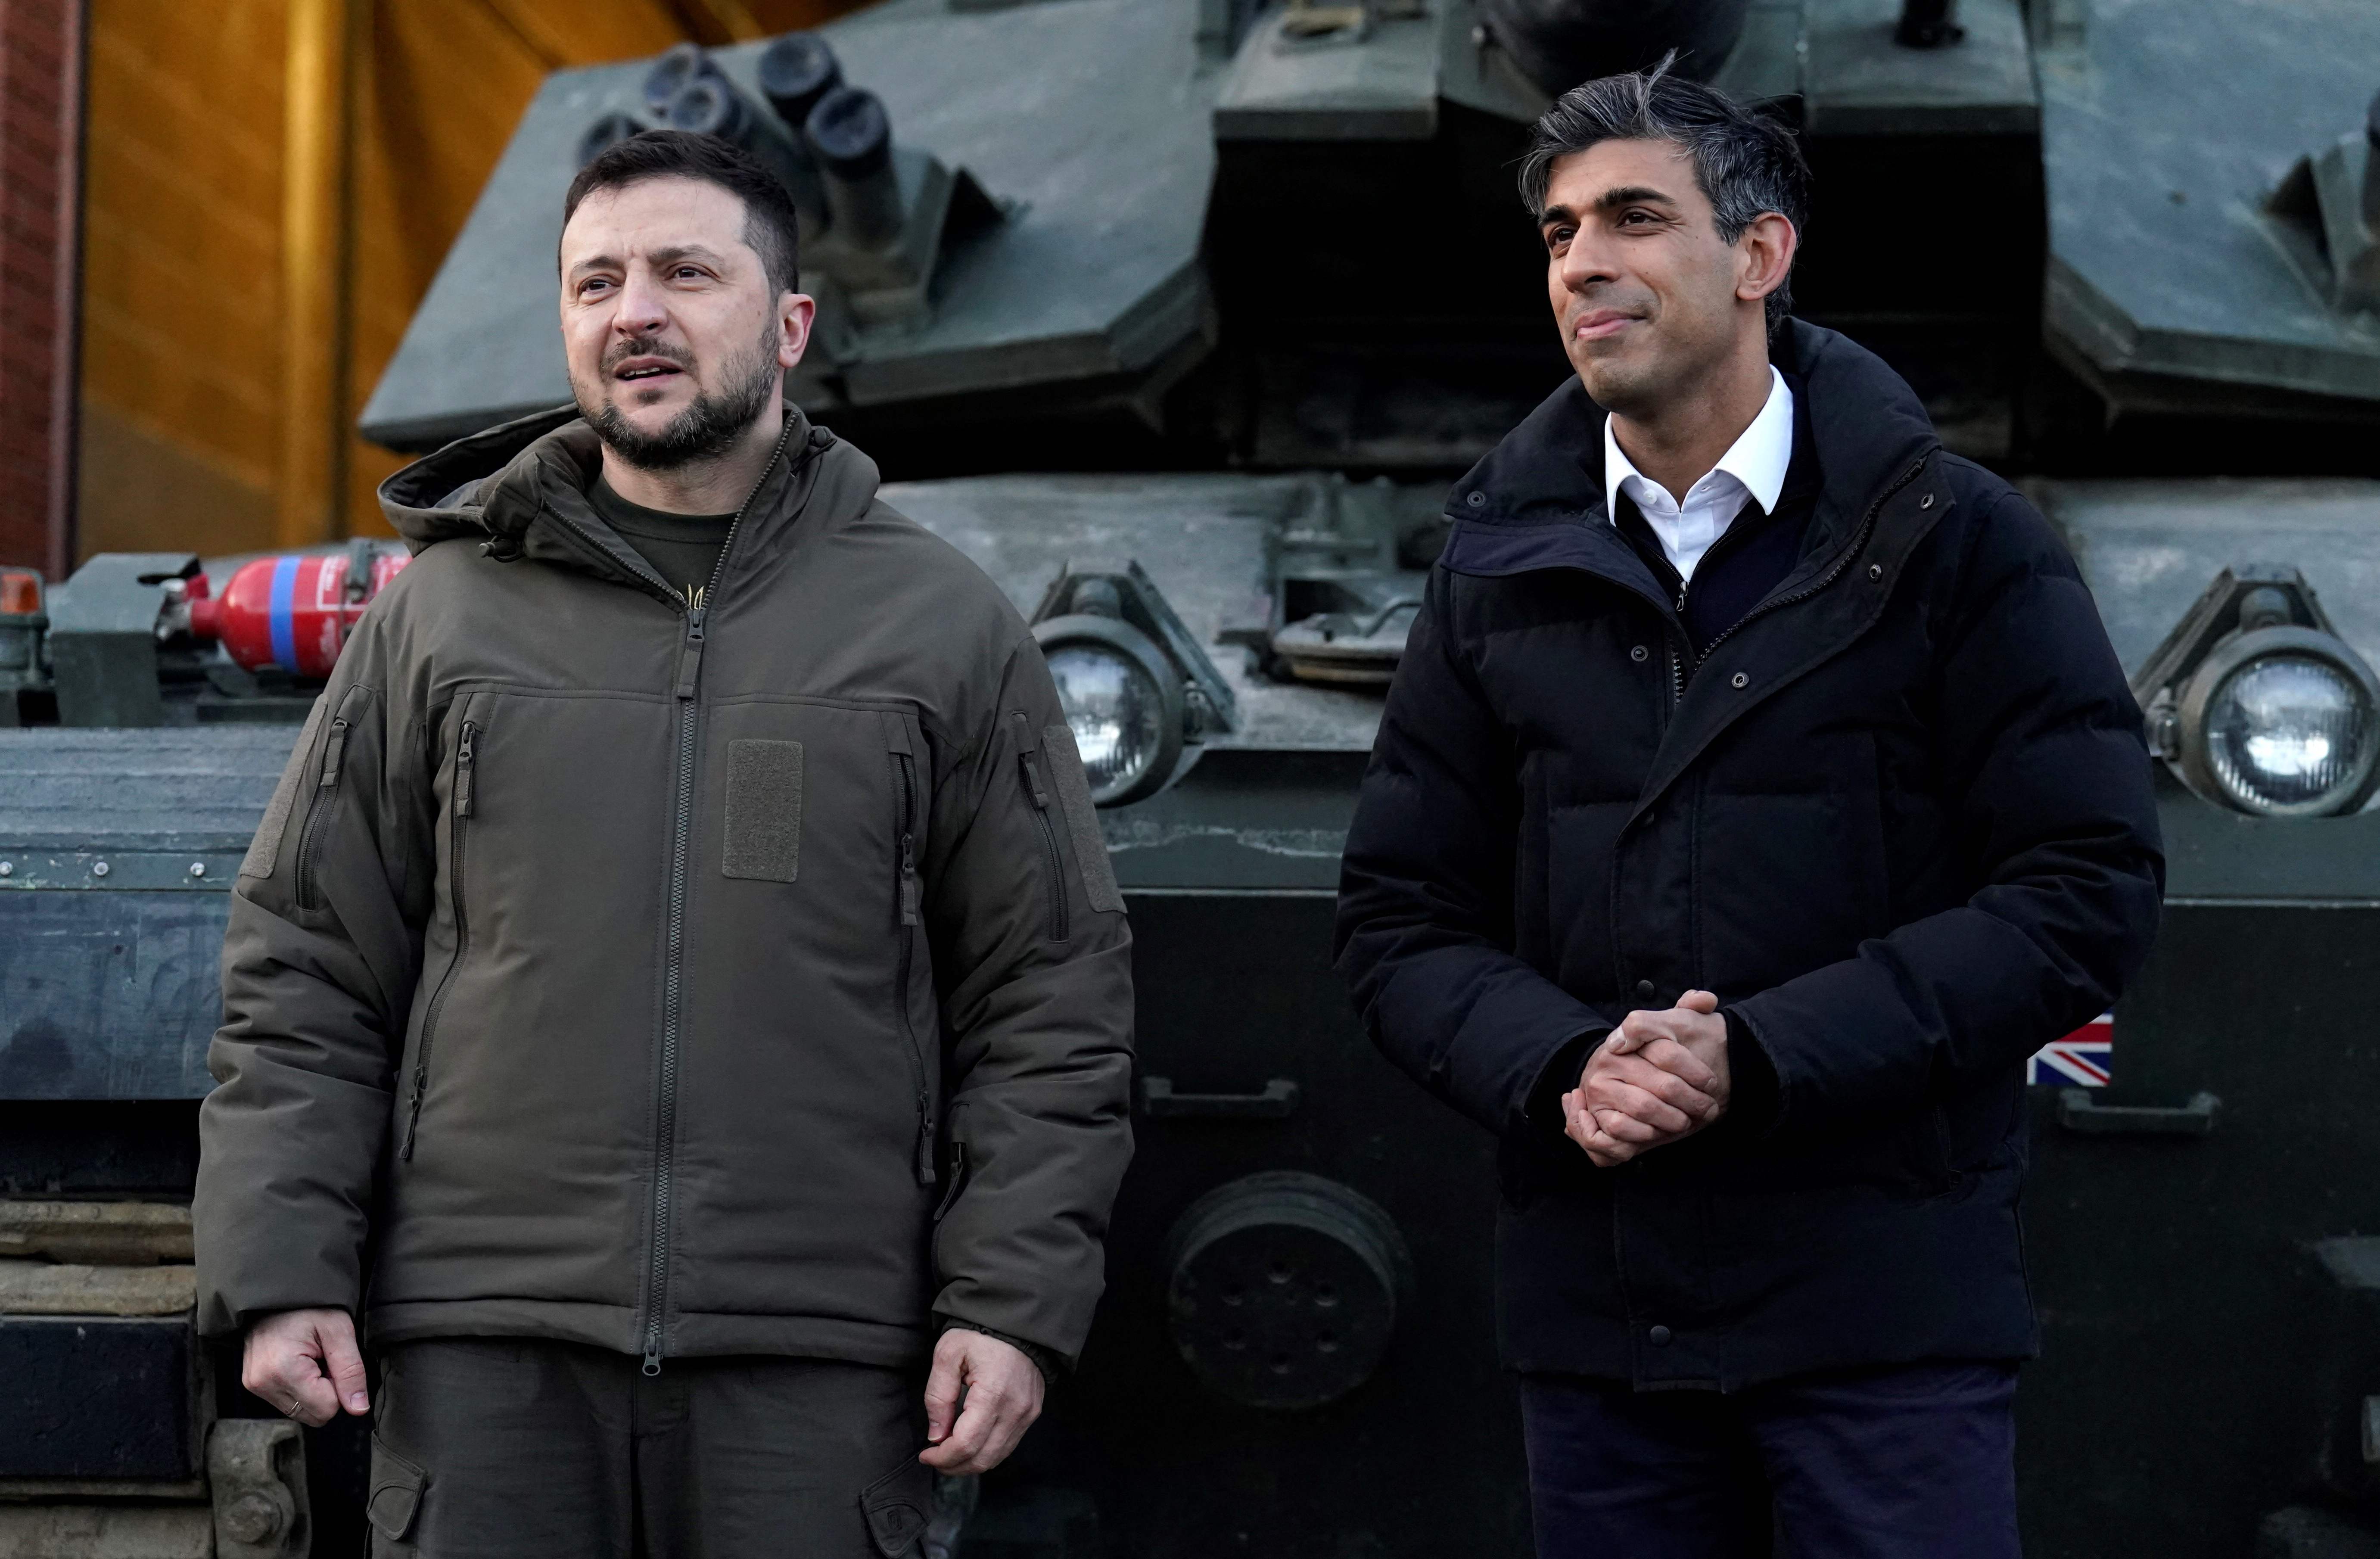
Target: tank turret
[{"x": 1559, "y": 43}]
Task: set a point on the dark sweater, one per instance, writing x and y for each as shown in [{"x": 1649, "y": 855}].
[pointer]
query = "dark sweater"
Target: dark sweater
[{"x": 1750, "y": 557}]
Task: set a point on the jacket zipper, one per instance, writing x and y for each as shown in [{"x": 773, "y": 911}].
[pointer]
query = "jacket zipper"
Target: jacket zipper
[
  {"x": 318, "y": 815},
  {"x": 1842, "y": 560},
  {"x": 466, "y": 761},
  {"x": 1053, "y": 865},
  {"x": 1673, "y": 634},
  {"x": 689, "y": 674},
  {"x": 912, "y": 898},
  {"x": 1681, "y": 672}
]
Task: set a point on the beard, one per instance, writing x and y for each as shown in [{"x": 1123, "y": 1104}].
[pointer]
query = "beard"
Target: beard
[{"x": 710, "y": 425}]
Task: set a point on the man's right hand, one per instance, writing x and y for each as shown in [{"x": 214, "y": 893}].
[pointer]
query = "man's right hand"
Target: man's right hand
[
  {"x": 1644, "y": 1085},
  {"x": 306, "y": 1364}
]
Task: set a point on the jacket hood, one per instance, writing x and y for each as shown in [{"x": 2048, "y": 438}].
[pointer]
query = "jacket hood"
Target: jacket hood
[
  {"x": 1867, "y": 424},
  {"x": 520, "y": 490}
]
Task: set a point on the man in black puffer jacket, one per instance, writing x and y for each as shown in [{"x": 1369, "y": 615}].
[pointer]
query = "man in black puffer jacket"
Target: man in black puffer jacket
[{"x": 1758, "y": 791}]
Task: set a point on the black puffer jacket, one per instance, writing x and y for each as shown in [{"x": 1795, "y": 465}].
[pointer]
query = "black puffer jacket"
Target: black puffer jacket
[{"x": 1899, "y": 819}]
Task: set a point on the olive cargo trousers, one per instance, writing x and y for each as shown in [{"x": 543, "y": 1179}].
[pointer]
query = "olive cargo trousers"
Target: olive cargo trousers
[{"x": 496, "y": 1448}]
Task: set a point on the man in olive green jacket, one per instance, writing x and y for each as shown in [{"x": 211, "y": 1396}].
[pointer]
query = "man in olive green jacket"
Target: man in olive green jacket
[{"x": 678, "y": 987}]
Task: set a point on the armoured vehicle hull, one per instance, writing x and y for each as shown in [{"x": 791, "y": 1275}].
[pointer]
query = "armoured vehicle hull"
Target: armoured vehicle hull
[
  {"x": 1261, "y": 252},
  {"x": 2170, "y": 1216}
]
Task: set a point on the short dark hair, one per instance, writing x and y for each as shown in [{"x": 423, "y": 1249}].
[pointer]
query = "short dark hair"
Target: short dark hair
[
  {"x": 1747, "y": 162},
  {"x": 770, "y": 223}
]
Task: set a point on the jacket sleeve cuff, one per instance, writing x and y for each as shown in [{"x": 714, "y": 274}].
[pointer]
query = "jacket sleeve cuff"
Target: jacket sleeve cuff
[
  {"x": 1753, "y": 1100},
  {"x": 1049, "y": 1363},
  {"x": 1543, "y": 1110}
]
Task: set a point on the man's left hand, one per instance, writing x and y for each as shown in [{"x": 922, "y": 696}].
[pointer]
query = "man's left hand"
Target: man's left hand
[
  {"x": 1618, "y": 1110},
  {"x": 982, "y": 1396}
]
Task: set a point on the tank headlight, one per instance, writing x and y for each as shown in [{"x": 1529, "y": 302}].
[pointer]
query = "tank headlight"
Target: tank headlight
[
  {"x": 1122, "y": 699},
  {"x": 2286, "y": 723},
  {"x": 1133, "y": 684},
  {"x": 2258, "y": 703}
]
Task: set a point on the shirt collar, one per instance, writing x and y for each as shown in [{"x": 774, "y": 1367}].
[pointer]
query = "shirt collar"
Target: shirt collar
[{"x": 1758, "y": 459}]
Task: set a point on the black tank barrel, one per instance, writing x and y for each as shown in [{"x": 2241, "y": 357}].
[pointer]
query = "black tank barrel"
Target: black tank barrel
[
  {"x": 606, "y": 132},
  {"x": 709, "y": 105},
  {"x": 713, "y": 105},
  {"x": 851, "y": 136},
  {"x": 796, "y": 71},
  {"x": 1559, "y": 43},
  {"x": 672, "y": 72}
]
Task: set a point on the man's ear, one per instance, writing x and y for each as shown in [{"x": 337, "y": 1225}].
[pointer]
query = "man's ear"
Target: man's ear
[
  {"x": 796, "y": 313},
  {"x": 1764, "y": 256}
]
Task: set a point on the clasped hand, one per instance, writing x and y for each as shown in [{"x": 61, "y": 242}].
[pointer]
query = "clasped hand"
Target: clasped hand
[{"x": 1660, "y": 1076}]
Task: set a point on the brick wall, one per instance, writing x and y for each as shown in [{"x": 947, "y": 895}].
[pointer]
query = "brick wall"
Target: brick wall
[
  {"x": 181, "y": 300},
  {"x": 41, "y": 132},
  {"x": 185, "y": 393}
]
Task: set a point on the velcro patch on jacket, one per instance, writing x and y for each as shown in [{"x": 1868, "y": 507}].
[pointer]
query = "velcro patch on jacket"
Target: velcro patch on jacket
[
  {"x": 1082, "y": 818},
  {"x": 264, "y": 850},
  {"x": 764, "y": 811}
]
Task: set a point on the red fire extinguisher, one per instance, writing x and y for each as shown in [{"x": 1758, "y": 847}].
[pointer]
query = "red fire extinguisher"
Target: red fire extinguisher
[{"x": 293, "y": 611}]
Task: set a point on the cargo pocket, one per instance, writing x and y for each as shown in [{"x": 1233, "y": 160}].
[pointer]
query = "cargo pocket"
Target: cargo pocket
[
  {"x": 1065, "y": 766},
  {"x": 394, "y": 1504},
  {"x": 322, "y": 800},
  {"x": 764, "y": 811},
  {"x": 1056, "y": 923},
  {"x": 898, "y": 1506},
  {"x": 264, "y": 850},
  {"x": 465, "y": 789}
]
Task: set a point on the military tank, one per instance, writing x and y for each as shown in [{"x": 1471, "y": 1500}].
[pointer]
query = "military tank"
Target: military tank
[{"x": 1244, "y": 286}]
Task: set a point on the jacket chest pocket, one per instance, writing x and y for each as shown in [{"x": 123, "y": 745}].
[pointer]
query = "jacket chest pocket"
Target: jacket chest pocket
[
  {"x": 324, "y": 792},
  {"x": 812, "y": 913},
  {"x": 826, "y": 800},
  {"x": 462, "y": 790},
  {"x": 552, "y": 827}
]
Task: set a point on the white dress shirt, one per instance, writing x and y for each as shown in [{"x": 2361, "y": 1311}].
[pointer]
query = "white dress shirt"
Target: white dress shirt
[{"x": 1752, "y": 468}]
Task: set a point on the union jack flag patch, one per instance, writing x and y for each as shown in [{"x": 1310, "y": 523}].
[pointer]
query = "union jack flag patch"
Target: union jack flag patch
[{"x": 2084, "y": 1058}]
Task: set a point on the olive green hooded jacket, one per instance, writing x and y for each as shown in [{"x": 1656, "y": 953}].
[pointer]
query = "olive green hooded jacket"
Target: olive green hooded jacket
[{"x": 747, "y": 978}]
